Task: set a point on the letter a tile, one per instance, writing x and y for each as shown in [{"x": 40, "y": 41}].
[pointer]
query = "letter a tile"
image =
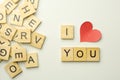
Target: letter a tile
[{"x": 32, "y": 60}]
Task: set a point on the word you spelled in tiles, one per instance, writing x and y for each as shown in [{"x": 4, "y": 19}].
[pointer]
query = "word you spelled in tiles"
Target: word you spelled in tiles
[
  {"x": 79, "y": 54},
  {"x": 18, "y": 23}
]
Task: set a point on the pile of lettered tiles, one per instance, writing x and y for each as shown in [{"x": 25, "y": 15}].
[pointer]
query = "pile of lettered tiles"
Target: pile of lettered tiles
[{"x": 17, "y": 25}]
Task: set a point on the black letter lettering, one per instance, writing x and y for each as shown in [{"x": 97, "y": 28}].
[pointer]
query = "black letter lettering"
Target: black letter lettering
[
  {"x": 93, "y": 55},
  {"x": 81, "y": 53},
  {"x": 18, "y": 55},
  {"x": 32, "y": 23},
  {"x": 8, "y": 30},
  {"x": 31, "y": 60},
  {"x": 25, "y": 9},
  {"x": 3, "y": 51},
  {"x": 67, "y": 52},
  {"x": 37, "y": 40},
  {"x": 13, "y": 68},
  {"x": 23, "y": 34}
]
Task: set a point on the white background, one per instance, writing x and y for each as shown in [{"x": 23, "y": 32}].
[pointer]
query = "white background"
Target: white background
[{"x": 105, "y": 16}]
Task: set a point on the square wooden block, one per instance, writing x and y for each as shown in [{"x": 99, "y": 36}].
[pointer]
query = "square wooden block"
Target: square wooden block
[
  {"x": 9, "y": 6},
  {"x": 2, "y": 15},
  {"x": 80, "y": 54},
  {"x": 32, "y": 60},
  {"x": 27, "y": 9},
  {"x": 23, "y": 35},
  {"x": 67, "y": 32},
  {"x": 13, "y": 69},
  {"x": 32, "y": 22},
  {"x": 37, "y": 40},
  {"x": 8, "y": 32},
  {"x": 19, "y": 55},
  {"x": 67, "y": 54},
  {"x": 4, "y": 52},
  {"x": 34, "y": 3},
  {"x": 93, "y": 54},
  {"x": 4, "y": 42},
  {"x": 16, "y": 18}
]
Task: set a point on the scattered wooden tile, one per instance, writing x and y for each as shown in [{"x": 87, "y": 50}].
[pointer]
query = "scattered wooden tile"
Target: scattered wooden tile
[
  {"x": 16, "y": 18},
  {"x": 4, "y": 52},
  {"x": 26, "y": 9},
  {"x": 32, "y": 23},
  {"x": 23, "y": 35},
  {"x": 32, "y": 60},
  {"x": 13, "y": 69},
  {"x": 9, "y": 6},
  {"x": 2, "y": 15},
  {"x": 67, "y": 54},
  {"x": 19, "y": 55},
  {"x": 8, "y": 32},
  {"x": 37, "y": 40},
  {"x": 93, "y": 54},
  {"x": 67, "y": 32}
]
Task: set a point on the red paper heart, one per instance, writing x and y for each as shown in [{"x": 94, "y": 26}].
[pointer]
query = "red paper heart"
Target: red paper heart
[{"x": 89, "y": 35}]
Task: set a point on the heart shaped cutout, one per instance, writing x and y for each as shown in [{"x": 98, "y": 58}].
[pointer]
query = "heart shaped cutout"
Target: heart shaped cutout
[{"x": 87, "y": 34}]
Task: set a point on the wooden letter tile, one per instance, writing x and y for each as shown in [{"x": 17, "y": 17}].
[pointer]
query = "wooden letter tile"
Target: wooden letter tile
[
  {"x": 13, "y": 69},
  {"x": 34, "y": 3},
  {"x": 9, "y": 6},
  {"x": 80, "y": 54},
  {"x": 27, "y": 9},
  {"x": 23, "y": 35},
  {"x": 16, "y": 18},
  {"x": 67, "y": 54},
  {"x": 2, "y": 15},
  {"x": 32, "y": 22},
  {"x": 8, "y": 32},
  {"x": 67, "y": 32},
  {"x": 37, "y": 40},
  {"x": 93, "y": 54},
  {"x": 4, "y": 52},
  {"x": 32, "y": 60},
  {"x": 19, "y": 55}
]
